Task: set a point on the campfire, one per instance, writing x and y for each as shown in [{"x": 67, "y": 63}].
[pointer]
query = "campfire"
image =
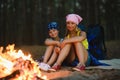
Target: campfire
[{"x": 16, "y": 65}]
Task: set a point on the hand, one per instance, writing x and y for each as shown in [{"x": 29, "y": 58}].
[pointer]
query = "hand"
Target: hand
[
  {"x": 58, "y": 43},
  {"x": 57, "y": 49},
  {"x": 63, "y": 44}
]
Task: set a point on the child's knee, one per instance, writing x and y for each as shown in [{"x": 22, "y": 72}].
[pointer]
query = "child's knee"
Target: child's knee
[{"x": 78, "y": 43}]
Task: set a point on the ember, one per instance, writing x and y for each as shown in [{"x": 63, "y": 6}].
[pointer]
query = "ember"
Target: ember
[{"x": 15, "y": 65}]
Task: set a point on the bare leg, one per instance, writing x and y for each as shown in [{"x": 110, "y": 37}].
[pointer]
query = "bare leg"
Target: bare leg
[
  {"x": 53, "y": 58},
  {"x": 81, "y": 53},
  {"x": 71, "y": 56},
  {"x": 63, "y": 54},
  {"x": 48, "y": 53}
]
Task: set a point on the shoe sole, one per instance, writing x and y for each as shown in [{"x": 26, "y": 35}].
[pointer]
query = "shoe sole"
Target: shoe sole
[
  {"x": 53, "y": 70},
  {"x": 43, "y": 69},
  {"x": 76, "y": 69}
]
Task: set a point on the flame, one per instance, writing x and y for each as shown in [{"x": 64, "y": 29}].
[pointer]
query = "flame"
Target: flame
[{"x": 12, "y": 60}]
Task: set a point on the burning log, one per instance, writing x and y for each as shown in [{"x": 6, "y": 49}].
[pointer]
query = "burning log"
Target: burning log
[
  {"x": 15, "y": 74},
  {"x": 14, "y": 65}
]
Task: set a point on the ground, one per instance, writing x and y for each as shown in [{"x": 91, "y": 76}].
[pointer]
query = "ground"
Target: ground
[
  {"x": 66, "y": 73},
  {"x": 92, "y": 74}
]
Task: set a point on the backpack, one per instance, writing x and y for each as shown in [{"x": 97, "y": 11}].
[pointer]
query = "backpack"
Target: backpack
[{"x": 95, "y": 36}]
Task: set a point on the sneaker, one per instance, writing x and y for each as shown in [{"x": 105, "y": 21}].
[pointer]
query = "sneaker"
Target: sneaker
[
  {"x": 55, "y": 67},
  {"x": 44, "y": 66},
  {"x": 79, "y": 67}
]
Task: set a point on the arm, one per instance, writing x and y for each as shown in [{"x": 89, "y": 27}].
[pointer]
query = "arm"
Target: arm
[
  {"x": 74, "y": 39},
  {"x": 51, "y": 42}
]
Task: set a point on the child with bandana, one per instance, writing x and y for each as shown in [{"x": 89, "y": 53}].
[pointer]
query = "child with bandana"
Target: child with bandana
[
  {"x": 53, "y": 46},
  {"x": 74, "y": 46}
]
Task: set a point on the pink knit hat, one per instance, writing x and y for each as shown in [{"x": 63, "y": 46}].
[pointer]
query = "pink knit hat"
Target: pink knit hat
[{"x": 74, "y": 18}]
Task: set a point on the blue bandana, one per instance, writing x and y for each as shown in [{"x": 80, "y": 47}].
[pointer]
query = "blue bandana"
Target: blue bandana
[{"x": 52, "y": 25}]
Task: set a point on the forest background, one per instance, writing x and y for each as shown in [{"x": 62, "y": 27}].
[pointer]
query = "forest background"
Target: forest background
[{"x": 24, "y": 22}]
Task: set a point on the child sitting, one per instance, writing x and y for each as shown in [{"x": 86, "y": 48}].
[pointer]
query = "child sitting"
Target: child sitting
[
  {"x": 53, "y": 47},
  {"x": 74, "y": 46}
]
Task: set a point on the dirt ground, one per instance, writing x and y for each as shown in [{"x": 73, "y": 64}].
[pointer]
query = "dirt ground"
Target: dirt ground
[
  {"x": 66, "y": 73},
  {"x": 93, "y": 74}
]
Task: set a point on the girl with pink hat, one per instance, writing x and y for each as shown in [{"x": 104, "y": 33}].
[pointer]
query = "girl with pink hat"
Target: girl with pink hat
[{"x": 74, "y": 46}]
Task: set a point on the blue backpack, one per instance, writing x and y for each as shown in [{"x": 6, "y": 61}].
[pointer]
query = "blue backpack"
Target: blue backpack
[
  {"x": 97, "y": 48},
  {"x": 95, "y": 36}
]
